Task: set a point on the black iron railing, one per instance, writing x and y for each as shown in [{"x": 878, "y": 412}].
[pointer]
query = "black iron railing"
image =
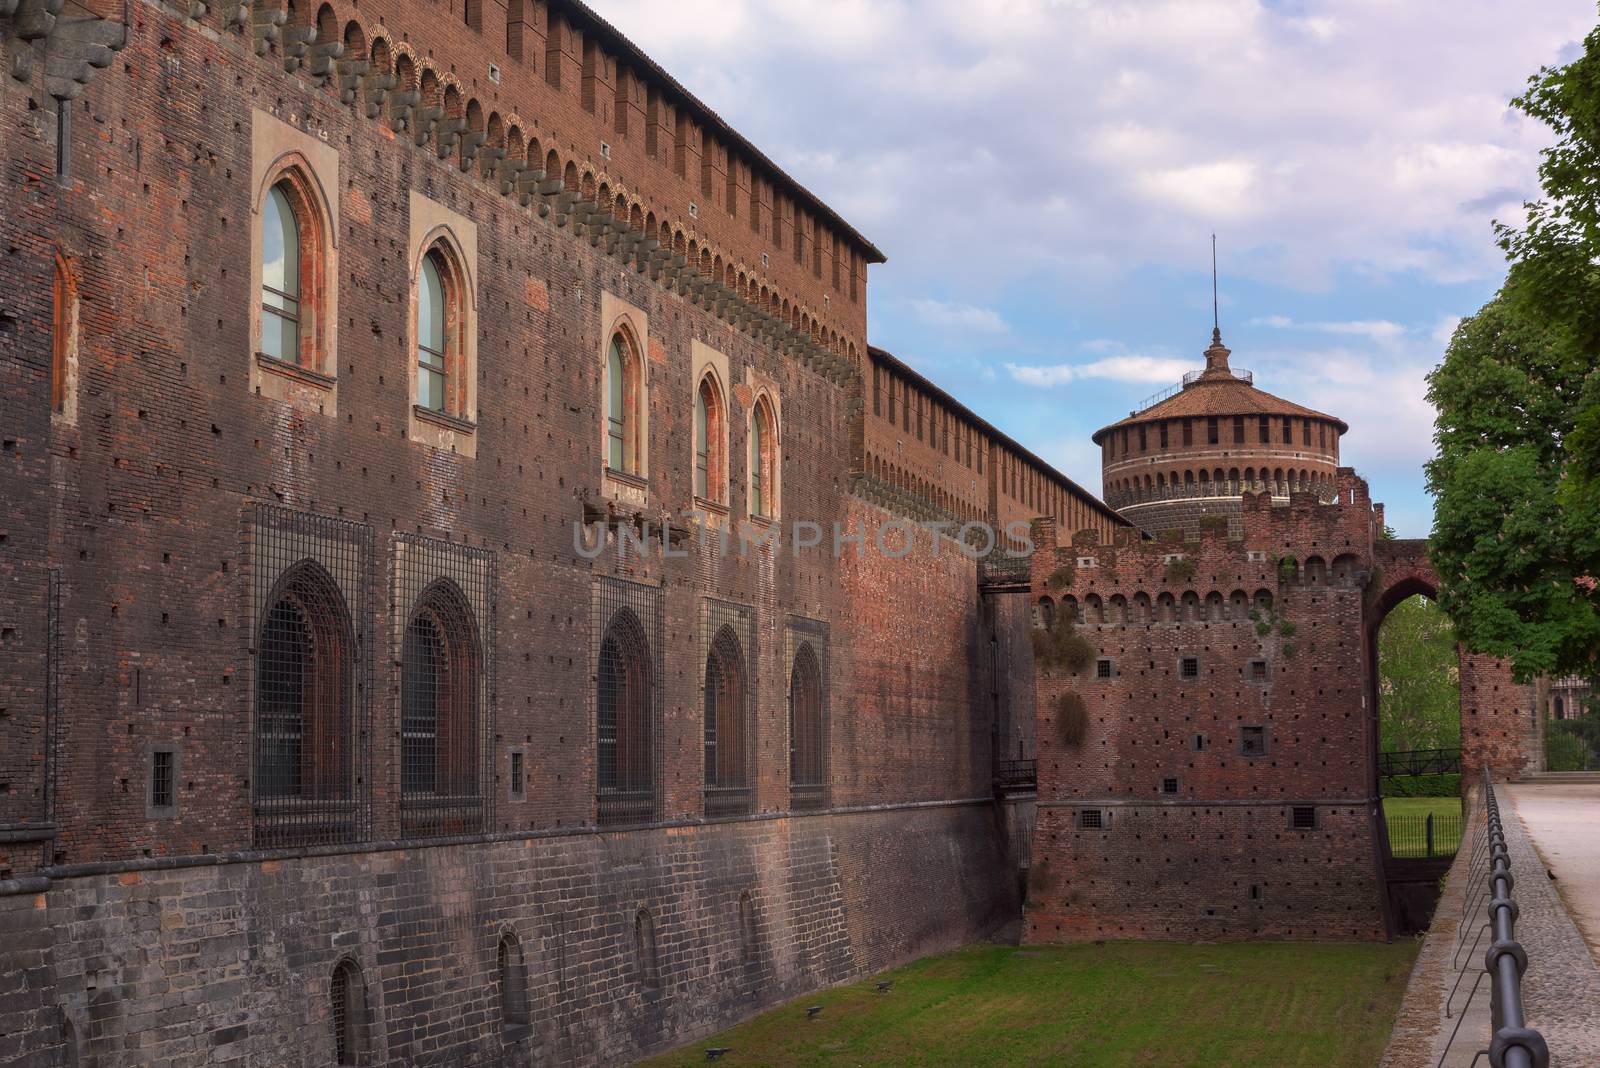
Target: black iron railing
[
  {"x": 1424, "y": 836},
  {"x": 1419, "y": 762},
  {"x": 1512, "y": 1043},
  {"x": 1016, "y": 775}
]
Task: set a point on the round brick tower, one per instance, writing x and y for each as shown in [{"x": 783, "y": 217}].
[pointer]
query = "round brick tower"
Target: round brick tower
[{"x": 1193, "y": 452}]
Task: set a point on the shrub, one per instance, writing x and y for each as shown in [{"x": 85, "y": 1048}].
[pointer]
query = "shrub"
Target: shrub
[
  {"x": 1286, "y": 629},
  {"x": 1180, "y": 570},
  {"x": 1213, "y": 522},
  {"x": 1288, "y": 569},
  {"x": 1061, "y": 577},
  {"x": 1288, "y": 650},
  {"x": 1263, "y": 627},
  {"x": 1062, "y": 646},
  {"x": 1072, "y": 718}
]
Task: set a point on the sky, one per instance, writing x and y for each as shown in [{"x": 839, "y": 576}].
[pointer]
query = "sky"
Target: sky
[{"x": 1045, "y": 176}]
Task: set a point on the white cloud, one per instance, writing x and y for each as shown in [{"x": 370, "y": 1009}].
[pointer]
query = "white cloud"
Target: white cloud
[
  {"x": 1381, "y": 330},
  {"x": 1141, "y": 369},
  {"x": 959, "y": 316}
]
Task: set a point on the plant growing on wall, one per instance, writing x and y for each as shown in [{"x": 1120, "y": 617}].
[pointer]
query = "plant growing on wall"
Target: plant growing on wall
[
  {"x": 1180, "y": 571},
  {"x": 1062, "y": 577},
  {"x": 1072, "y": 718},
  {"x": 1062, "y": 646}
]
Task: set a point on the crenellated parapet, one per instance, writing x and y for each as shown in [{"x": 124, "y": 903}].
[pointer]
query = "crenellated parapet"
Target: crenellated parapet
[{"x": 68, "y": 41}]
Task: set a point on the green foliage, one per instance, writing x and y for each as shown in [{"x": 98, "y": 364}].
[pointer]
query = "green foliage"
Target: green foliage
[
  {"x": 1443, "y": 784},
  {"x": 1517, "y": 477},
  {"x": 1573, "y": 744},
  {"x": 1419, "y": 687},
  {"x": 1213, "y": 522},
  {"x": 1288, "y": 569},
  {"x": 1062, "y": 577},
  {"x": 1289, "y": 650},
  {"x": 1072, "y": 718},
  {"x": 1286, "y": 628},
  {"x": 1180, "y": 571}
]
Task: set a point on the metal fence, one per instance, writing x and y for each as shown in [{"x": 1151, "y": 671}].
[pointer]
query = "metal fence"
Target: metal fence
[
  {"x": 1512, "y": 1043},
  {"x": 728, "y": 641},
  {"x": 1424, "y": 836},
  {"x": 805, "y": 659},
  {"x": 1419, "y": 762}
]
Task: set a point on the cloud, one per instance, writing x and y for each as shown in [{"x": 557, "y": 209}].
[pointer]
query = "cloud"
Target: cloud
[
  {"x": 1141, "y": 369},
  {"x": 1373, "y": 329},
  {"x": 959, "y": 316}
]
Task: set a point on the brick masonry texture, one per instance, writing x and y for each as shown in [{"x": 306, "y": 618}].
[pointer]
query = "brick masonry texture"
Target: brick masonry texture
[
  {"x": 132, "y": 937},
  {"x": 1196, "y": 835}
]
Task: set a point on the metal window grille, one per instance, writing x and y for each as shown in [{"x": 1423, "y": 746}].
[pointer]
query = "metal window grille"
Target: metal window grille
[
  {"x": 627, "y": 629},
  {"x": 1091, "y": 819},
  {"x": 163, "y": 788},
  {"x": 445, "y": 612},
  {"x": 513, "y": 984},
  {"x": 308, "y": 588},
  {"x": 806, "y": 660},
  {"x": 1169, "y": 786},
  {"x": 1258, "y": 670},
  {"x": 728, "y": 635},
  {"x": 1253, "y": 741},
  {"x": 1303, "y": 818},
  {"x": 516, "y": 773},
  {"x": 347, "y": 1004},
  {"x": 1189, "y": 667},
  {"x": 1102, "y": 669}
]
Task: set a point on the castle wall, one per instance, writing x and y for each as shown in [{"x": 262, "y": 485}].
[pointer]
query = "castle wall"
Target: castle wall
[{"x": 140, "y": 935}]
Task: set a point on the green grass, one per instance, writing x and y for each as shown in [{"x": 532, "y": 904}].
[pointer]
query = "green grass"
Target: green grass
[
  {"x": 1405, "y": 815},
  {"x": 1118, "y": 1005}
]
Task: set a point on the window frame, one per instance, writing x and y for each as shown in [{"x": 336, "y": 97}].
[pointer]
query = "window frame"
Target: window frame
[
  {"x": 623, "y": 433},
  {"x": 453, "y": 362},
  {"x": 294, "y": 179},
  {"x": 764, "y": 466},
  {"x": 710, "y": 464}
]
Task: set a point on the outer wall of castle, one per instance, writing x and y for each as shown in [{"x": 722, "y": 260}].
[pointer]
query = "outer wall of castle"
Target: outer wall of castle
[
  {"x": 146, "y": 507},
  {"x": 1209, "y": 772}
]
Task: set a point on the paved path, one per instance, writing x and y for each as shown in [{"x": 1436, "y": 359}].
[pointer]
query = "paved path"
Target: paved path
[
  {"x": 1564, "y": 822},
  {"x": 1561, "y": 990}
]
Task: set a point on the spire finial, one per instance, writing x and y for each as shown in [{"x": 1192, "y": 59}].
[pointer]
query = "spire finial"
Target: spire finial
[{"x": 1216, "y": 320}]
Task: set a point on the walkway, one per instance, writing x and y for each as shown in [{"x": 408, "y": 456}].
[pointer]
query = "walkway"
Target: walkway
[
  {"x": 1561, "y": 990},
  {"x": 1563, "y": 819}
]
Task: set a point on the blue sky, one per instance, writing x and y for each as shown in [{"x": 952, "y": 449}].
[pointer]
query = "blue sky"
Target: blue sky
[{"x": 1044, "y": 176}]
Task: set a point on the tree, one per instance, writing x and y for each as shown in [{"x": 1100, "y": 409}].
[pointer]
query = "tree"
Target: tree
[
  {"x": 1516, "y": 538},
  {"x": 1419, "y": 679}
]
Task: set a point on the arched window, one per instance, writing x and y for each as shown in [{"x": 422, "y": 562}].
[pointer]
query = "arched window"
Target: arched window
[
  {"x": 63, "y": 338},
  {"x": 442, "y": 379},
  {"x": 807, "y": 732},
  {"x": 764, "y": 472},
  {"x": 624, "y": 450},
  {"x": 710, "y": 443},
  {"x": 726, "y": 740},
  {"x": 280, "y": 276},
  {"x": 625, "y": 731},
  {"x": 303, "y": 768},
  {"x": 644, "y": 950},
  {"x": 439, "y": 744},
  {"x": 748, "y": 944},
  {"x": 347, "y": 1003},
  {"x": 513, "y": 973}
]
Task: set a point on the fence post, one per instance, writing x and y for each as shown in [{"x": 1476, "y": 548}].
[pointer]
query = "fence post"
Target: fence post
[{"x": 1430, "y": 834}]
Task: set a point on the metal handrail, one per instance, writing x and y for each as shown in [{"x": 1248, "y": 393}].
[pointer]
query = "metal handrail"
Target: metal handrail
[{"x": 1512, "y": 1043}]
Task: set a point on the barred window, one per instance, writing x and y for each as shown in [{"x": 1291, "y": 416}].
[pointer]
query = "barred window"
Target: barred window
[
  {"x": 807, "y": 730},
  {"x": 513, "y": 985},
  {"x": 439, "y": 759},
  {"x": 625, "y": 735},
  {"x": 304, "y": 680},
  {"x": 726, "y": 711},
  {"x": 347, "y": 1000}
]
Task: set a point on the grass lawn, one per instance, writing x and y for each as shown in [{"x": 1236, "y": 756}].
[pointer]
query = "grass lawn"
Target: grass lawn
[
  {"x": 1407, "y": 833},
  {"x": 1118, "y": 1005}
]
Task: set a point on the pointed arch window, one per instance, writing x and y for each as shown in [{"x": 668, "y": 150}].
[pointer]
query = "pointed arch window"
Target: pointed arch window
[
  {"x": 443, "y": 378},
  {"x": 710, "y": 442},
  {"x": 727, "y": 784},
  {"x": 764, "y": 473},
  {"x": 440, "y": 744},
  {"x": 624, "y": 405},
  {"x": 807, "y": 731},
  {"x": 347, "y": 1004},
  {"x": 625, "y": 761},
  {"x": 280, "y": 276},
  {"x": 304, "y": 781}
]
